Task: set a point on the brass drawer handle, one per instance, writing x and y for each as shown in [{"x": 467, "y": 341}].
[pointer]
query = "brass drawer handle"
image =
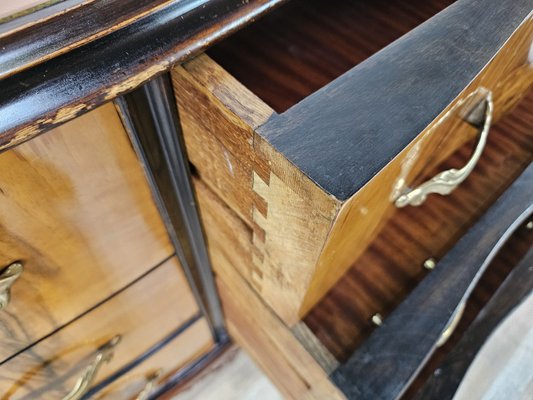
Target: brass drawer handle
[
  {"x": 84, "y": 382},
  {"x": 445, "y": 182},
  {"x": 7, "y": 278},
  {"x": 151, "y": 380}
]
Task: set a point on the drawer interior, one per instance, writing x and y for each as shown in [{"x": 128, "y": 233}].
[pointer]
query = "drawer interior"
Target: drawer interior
[
  {"x": 304, "y": 45},
  {"x": 393, "y": 264},
  {"x": 507, "y": 258}
]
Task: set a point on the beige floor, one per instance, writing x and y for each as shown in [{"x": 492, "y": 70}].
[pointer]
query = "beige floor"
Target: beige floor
[{"x": 235, "y": 377}]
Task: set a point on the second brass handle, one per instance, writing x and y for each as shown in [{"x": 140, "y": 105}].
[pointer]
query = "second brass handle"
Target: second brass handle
[
  {"x": 445, "y": 182},
  {"x": 151, "y": 380},
  {"x": 8, "y": 276},
  {"x": 84, "y": 382}
]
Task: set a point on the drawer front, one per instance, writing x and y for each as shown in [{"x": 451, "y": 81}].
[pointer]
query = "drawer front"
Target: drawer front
[
  {"x": 143, "y": 314},
  {"x": 77, "y": 212},
  {"x": 321, "y": 176},
  {"x": 152, "y": 373}
]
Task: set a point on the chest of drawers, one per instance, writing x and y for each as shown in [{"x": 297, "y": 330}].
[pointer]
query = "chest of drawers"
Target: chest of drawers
[{"x": 337, "y": 152}]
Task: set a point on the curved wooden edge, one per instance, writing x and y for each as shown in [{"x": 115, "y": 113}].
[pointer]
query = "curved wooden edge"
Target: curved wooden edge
[
  {"x": 49, "y": 36},
  {"x": 386, "y": 363},
  {"x": 357, "y": 124},
  {"x": 48, "y": 94},
  {"x": 514, "y": 290}
]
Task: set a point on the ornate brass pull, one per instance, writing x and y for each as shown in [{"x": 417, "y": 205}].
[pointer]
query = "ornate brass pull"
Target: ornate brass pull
[
  {"x": 84, "y": 382},
  {"x": 151, "y": 380},
  {"x": 7, "y": 278},
  {"x": 445, "y": 182}
]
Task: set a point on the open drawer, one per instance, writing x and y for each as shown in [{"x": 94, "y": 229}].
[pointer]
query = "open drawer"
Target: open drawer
[
  {"x": 385, "y": 365},
  {"x": 299, "y": 358},
  {"x": 318, "y": 122}
]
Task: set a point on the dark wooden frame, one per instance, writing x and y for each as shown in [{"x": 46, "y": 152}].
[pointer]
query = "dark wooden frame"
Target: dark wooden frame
[
  {"x": 42, "y": 90},
  {"x": 387, "y": 362},
  {"x": 150, "y": 116},
  {"x": 359, "y": 122},
  {"x": 64, "y": 87},
  {"x": 74, "y": 23},
  {"x": 509, "y": 296}
]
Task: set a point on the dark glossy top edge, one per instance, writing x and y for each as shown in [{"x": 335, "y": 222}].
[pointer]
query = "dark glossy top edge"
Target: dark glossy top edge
[
  {"x": 344, "y": 134},
  {"x": 46, "y": 36},
  {"x": 66, "y": 86}
]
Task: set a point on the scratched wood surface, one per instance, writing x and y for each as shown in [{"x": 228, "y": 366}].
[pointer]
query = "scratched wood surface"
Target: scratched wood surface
[
  {"x": 392, "y": 265},
  {"x": 49, "y": 32},
  {"x": 76, "y": 209},
  {"x": 65, "y": 87},
  {"x": 49, "y": 369},
  {"x": 287, "y": 208}
]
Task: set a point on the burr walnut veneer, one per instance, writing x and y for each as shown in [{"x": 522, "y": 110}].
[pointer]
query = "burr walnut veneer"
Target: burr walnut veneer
[{"x": 339, "y": 151}]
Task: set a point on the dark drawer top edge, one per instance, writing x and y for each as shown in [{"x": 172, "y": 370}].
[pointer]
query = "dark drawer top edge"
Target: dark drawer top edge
[
  {"x": 62, "y": 88},
  {"x": 344, "y": 134}
]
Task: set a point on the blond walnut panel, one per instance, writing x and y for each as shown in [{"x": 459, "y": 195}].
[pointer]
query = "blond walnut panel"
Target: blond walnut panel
[
  {"x": 76, "y": 209},
  {"x": 143, "y": 315}
]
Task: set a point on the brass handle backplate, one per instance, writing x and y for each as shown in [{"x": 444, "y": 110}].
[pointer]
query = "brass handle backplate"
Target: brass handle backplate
[
  {"x": 151, "y": 380},
  {"x": 84, "y": 382},
  {"x": 8, "y": 276},
  {"x": 445, "y": 182}
]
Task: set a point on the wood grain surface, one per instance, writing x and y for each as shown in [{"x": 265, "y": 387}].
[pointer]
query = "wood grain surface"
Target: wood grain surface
[
  {"x": 60, "y": 89},
  {"x": 357, "y": 124},
  {"x": 392, "y": 265},
  {"x": 47, "y": 36},
  {"x": 453, "y": 360},
  {"x": 508, "y": 76},
  {"x": 49, "y": 369},
  {"x": 305, "y": 238},
  {"x": 269, "y": 194},
  {"x": 304, "y": 45},
  {"x": 168, "y": 360},
  {"x": 384, "y": 365},
  {"x": 76, "y": 209},
  {"x": 251, "y": 322}
]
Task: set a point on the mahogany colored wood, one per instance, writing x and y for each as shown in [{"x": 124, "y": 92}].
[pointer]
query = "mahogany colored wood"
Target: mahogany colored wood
[
  {"x": 392, "y": 265},
  {"x": 385, "y": 364},
  {"x": 305, "y": 236},
  {"x": 49, "y": 369},
  {"x": 304, "y": 45},
  {"x": 76, "y": 209},
  {"x": 507, "y": 281}
]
